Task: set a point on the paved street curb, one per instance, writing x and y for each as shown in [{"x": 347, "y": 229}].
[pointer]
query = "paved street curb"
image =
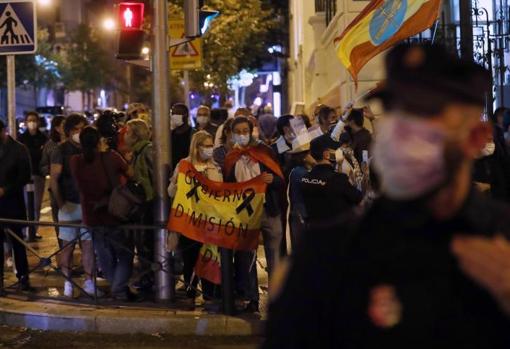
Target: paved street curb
[{"x": 81, "y": 318}]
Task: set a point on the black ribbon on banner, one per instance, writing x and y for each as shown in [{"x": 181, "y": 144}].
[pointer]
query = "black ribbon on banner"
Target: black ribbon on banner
[
  {"x": 248, "y": 196},
  {"x": 194, "y": 190}
]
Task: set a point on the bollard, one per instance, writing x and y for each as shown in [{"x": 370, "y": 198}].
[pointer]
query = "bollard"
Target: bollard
[
  {"x": 29, "y": 188},
  {"x": 227, "y": 281}
]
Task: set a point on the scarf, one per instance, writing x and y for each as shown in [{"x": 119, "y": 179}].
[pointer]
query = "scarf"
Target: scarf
[{"x": 259, "y": 153}]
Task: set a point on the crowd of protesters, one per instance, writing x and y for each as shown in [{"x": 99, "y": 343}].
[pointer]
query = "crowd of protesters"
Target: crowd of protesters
[{"x": 318, "y": 170}]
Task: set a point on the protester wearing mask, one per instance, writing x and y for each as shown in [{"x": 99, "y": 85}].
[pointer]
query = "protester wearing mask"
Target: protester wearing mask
[
  {"x": 201, "y": 157},
  {"x": 284, "y": 142},
  {"x": 417, "y": 270},
  {"x": 14, "y": 175},
  {"x": 138, "y": 141},
  {"x": 57, "y": 137},
  {"x": 361, "y": 137},
  {"x": 96, "y": 173},
  {"x": 239, "y": 112},
  {"x": 35, "y": 140},
  {"x": 489, "y": 173},
  {"x": 67, "y": 196},
  {"x": 203, "y": 120},
  {"x": 181, "y": 132},
  {"x": 246, "y": 161}
]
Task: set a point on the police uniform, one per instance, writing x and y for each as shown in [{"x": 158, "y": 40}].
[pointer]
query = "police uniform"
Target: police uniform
[
  {"x": 327, "y": 193},
  {"x": 390, "y": 282},
  {"x": 390, "y": 279}
]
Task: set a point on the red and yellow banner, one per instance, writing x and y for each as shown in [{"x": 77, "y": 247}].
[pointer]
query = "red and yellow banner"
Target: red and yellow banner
[
  {"x": 223, "y": 214},
  {"x": 208, "y": 264},
  {"x": 379, "y": 26}
]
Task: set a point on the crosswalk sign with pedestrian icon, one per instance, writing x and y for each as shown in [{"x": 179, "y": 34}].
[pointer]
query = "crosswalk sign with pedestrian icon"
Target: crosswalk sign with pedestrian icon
[{"x": 18, "y": 27}]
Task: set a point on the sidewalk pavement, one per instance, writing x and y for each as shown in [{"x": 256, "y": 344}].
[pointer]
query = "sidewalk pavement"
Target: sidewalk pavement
[{"x": 48, "y": 309}]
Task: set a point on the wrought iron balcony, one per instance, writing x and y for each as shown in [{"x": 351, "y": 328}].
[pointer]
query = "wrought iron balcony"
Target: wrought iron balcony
[{"x": 327, "y": 6}]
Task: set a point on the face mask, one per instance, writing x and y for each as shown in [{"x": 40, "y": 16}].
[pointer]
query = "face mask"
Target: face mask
[
  {"x": 241, "y": 140},
  {"x": 206, "y": 153},
  {"x": 339, "y": 155},
  {"x": 202, "y": 120},
  {"x": 76, "y": 138},
  {"x": 410, "y": 157},
  {"x": 489, "y": 149},
  {"x": 32, "y": 126},
  {"x": 176, "y": 120}
]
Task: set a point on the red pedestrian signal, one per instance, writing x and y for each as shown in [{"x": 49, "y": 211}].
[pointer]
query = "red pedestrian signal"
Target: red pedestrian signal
[
  {"x": 131, "y": 36},
  {"x": 131, "y": 15}
]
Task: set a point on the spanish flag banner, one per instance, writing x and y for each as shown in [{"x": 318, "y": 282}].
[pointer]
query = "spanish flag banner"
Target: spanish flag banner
[
  {"x": 223, "y": 214},
  {"x": 380, "y": 25},
  {"x": 208, "y": 265}
]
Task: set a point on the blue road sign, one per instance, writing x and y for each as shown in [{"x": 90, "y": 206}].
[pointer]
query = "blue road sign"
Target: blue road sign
[{"x": 18, "y": 27}]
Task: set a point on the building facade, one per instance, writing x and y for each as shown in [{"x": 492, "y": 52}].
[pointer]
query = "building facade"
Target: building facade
[{"x": 316, "y": 75}]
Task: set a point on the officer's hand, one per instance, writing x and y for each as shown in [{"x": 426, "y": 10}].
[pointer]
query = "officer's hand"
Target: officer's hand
[
  {"x": 2, "y": 192},
  {"x": 268, "y": 178},
  {"x": 487, "y": 261}
]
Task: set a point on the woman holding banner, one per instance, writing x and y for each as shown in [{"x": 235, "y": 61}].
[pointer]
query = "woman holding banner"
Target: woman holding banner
[
  {"x": 250, "y": 159},
  {"x": 201, "y": 157}
]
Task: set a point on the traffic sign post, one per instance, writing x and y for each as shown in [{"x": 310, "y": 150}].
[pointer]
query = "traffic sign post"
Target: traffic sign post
[
  {"x": 18, "y": 35},
  {"x": 186, "y": 56}
]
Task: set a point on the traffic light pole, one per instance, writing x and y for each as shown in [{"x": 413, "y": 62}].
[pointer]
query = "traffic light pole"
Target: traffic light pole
[
  {"x": 11, "y": 96},
  {"x": 165, "y": 288}
]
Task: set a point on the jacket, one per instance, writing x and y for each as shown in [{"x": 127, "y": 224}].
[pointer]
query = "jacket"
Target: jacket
[
  {"x": 15, "y": 173},
  {"x": 144, "y": 168},
  {"x": 394, "y": 264},
  {"x": 327, "y": 193}
]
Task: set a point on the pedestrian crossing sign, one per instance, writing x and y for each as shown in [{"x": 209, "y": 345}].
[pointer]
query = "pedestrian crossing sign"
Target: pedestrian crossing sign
[
  {"x": 187, "y": 56},
  {"x": 18, "y": 27}
]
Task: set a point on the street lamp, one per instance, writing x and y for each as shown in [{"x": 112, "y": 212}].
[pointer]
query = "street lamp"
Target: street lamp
[
  {"x": 109, "y": 24},
  {"x": 45, "y": 3},
  {"x": 145, "y": 51}
]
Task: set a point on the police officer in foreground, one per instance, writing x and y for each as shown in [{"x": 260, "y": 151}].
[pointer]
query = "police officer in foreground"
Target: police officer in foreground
[
  {"x": 404, "y": 276},
  {"x": 326, "y": 193}
]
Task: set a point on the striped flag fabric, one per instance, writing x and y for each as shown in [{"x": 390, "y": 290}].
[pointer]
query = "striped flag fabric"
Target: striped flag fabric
[{"x": 379, "y": 26}]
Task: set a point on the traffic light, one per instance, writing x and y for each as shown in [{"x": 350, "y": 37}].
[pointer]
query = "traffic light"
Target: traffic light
[
  {"x": 131, "y": 38},
  {"x": 196, "y": 19}
]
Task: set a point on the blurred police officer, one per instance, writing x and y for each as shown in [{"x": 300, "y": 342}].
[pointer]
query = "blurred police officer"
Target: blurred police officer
[
  {"x": 393, "y": 281},
  {"x": 326, "y": 193}
]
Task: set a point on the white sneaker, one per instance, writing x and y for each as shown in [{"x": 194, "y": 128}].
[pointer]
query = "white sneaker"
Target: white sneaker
[
  {"x": 90, "y": 289},
  {"x": 68, "y": 289}
]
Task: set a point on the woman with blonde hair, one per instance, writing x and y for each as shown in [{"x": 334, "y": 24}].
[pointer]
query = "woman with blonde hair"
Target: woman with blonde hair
[{"x": 201, "y": 157}]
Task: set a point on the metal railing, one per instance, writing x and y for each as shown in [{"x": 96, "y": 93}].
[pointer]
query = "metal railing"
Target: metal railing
[
  {"x": 49, "y": 261},
  {"x": 327, "y": 6}
]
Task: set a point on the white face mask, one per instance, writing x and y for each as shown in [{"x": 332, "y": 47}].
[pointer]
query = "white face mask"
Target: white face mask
[
  {"x": 409, "y": 156},
  {"x": 489, "y": 149},
  {"x": 32, "y": 125},
  {"x": 176, "y": 120},
  {"x": 206, "y": 153},
  {"x": 242, "y": 140},
  {"x": 76, "y": 138},
  {"x": 339, "y": 155},
  {"x": 202, "y": 120}
]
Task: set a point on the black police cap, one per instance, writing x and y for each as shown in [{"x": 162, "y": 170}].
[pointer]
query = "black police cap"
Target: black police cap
[
  {"x": 425, "y": 78},
  {"x": 320, "y": 144}
]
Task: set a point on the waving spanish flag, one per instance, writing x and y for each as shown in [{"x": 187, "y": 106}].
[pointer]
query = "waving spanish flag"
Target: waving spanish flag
[{"x": 380, "y": 25}]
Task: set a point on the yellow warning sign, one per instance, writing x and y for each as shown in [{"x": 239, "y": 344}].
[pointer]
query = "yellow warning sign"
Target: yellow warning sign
[{"x": 187, "y": 56}]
